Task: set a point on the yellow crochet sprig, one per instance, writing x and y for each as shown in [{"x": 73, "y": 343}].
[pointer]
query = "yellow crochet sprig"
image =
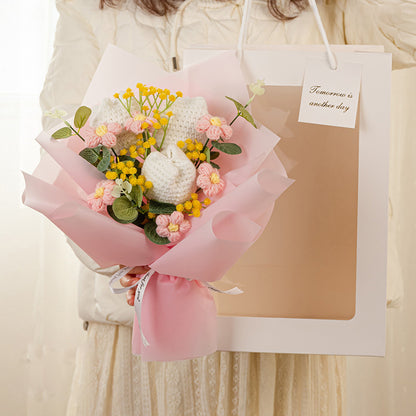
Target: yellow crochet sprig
[
  {"x": 193, "y": 149},
  {"x": 142, "y": 147},
  {"x": 125, "y": 170},
  {"x": 193, "y": 207},
  {"x": 154, "y": 98},
  {"x": 152, "y": 102}
]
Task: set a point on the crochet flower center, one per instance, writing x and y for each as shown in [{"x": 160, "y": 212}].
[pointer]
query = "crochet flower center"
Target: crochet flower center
[
  {"x": 101, "y": 130},
  {"x": 173, "y": 228},
  {"x": 215, "y": 178},
  {"x": 215, "y": 121},
  {"x": 139, "y": 117},
  {"x": 99, "y": 192}
]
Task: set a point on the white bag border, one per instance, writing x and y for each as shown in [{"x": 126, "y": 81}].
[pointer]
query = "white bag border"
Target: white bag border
[{"x": 364, "y": 334}]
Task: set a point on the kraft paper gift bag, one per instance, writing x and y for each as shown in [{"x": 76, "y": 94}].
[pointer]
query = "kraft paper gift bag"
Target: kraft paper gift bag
[{"x": 315, "y": 282}]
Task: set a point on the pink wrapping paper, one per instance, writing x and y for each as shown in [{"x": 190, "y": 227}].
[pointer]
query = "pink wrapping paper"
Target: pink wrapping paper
[
  {"x": 178, "y": 316},
  {"x": 190, "y": 330}
]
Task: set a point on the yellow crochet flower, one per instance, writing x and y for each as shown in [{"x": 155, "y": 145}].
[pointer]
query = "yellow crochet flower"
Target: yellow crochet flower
[
  {"x": 111, "y": 175},
  {"x": 188, "y": 205}
]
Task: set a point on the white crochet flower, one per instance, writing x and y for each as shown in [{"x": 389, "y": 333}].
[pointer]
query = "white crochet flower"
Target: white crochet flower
[
  {"x": 172, "y": 175},
  {"x": 186, "y": 112},
  {"x": 109, "y": 111},
  {"x": 257, "y": 87}
]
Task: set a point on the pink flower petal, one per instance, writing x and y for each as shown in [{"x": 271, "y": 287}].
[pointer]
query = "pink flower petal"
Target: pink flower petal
[
  {"x": 109, "y": 140},
  {"x": 203, "y": 181},
  {"x": 92, "y": 141},
  {"x": 136, "y": 127},
  {"x": 213, "y": 132},
  {"x": 226, "y": 132},
  {"x": 114, "y": 128},
  {"x": 163, "y": 220},
  {"x": 214, "y": 188},
  {"x": 176, "y": 217},
  {"x": 128, "y": 123},
  {"x": 202, "y": 125},
  {"x": 163, "y": 231},
  {"x": 96, "y": 204},
  {"x": 205, "y": 169},
  {"x": 174, "y": 237},
  {"x": 88, "y": 133},
  {"x": 185, "y": 226}
]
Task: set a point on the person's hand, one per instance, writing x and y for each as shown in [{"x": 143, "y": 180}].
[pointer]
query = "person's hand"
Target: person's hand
[{"x": 130, "y": 279}]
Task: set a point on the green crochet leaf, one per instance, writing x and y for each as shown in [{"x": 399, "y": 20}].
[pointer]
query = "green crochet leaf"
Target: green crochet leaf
[{"x": 153, "y": 236}]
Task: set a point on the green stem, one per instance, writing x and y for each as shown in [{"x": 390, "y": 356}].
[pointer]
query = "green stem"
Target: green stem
[
  {"x": 125, "y": 106},
  {"x": 164, "y": 136},
  {"x": 205, "y": 145},
  {"x": 239, "y": 114},
  {"x": 74, "y": 131}
]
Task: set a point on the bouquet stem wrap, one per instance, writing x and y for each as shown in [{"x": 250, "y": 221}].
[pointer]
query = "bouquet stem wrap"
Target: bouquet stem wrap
[{"x": 178, "y": 319}]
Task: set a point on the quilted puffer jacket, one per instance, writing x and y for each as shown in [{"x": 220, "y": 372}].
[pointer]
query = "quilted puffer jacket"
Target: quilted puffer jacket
[{"x": 83, "y": 32}]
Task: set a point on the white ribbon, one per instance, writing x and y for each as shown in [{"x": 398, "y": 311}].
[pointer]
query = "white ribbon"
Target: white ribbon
[
  {"x": 331, "y": 57},
  {"x": 138, "y": 301},
  {"x": 242, "y": 36},
  {"x": 138, "y": 297},
  {"x": 234, "y": 291},
  {"x": 116, "y": 277}
]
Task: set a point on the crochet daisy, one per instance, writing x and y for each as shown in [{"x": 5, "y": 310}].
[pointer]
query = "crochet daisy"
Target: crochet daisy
[
  {"x": 102, "y": 197},
  {"x": 209, "y": 180},
  {"x": 139, "y": 122},
  {"x": 172, "y": 226},
  {"x": 104, "y": 134},
  {"x": 214, "y": 127}
]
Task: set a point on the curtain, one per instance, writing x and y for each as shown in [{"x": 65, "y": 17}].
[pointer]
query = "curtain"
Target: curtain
[
  {"x": 386, "y": 386},
  {"x": 40, "y": 328}
]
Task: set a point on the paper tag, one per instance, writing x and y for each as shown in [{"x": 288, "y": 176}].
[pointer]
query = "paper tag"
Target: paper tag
[{"x": 330, "y": 96}]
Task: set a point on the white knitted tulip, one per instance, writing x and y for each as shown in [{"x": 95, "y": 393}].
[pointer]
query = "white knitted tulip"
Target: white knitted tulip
[
  {"x": 109, "y": 111},
  {"x": 186, "y": 113},
  {"x": 172, "y": 175}
]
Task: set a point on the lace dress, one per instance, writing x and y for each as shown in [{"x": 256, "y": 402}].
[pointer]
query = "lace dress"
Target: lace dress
[{"x": 109, "y": 380}]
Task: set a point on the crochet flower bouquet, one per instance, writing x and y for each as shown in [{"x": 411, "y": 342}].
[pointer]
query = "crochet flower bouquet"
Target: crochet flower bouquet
[{"x": 181, "y": 182}]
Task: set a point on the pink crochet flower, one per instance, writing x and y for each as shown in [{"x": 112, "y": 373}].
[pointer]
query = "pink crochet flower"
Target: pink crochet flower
[
  {"x": 135, "y": 123},
  {"x": 209, "y": 180},
  {"x": 214, "y": 127},
  {"x": 104, "y": 134},
  {"x": 102, "y": 197},
  {"x": 172, "y": 226}
]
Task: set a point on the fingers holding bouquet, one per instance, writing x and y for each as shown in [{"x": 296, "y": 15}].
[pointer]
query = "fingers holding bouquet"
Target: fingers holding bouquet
[{"x": 131, "y": 279}]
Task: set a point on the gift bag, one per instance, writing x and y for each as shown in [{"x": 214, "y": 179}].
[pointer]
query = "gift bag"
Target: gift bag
[{"x": 315, "y": 282}]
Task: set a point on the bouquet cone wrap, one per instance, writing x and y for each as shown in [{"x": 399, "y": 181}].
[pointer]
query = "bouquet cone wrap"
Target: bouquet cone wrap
[{"x": 178, "y": 312}]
